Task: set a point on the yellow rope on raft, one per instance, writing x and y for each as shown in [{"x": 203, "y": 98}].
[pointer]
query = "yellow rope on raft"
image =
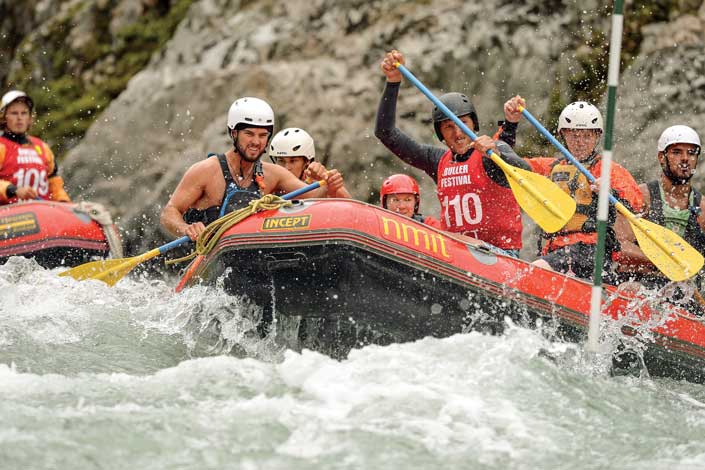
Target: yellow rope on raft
[{"x": 207, "y": 240}]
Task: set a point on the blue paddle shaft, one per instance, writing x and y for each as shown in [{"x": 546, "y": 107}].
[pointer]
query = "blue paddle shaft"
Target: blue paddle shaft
[
  {"x": 422, "y": 88},
  {"x": 301, "y": 191},
  {"x": 173, "y": 244},
  {"x": 562, "y": 149},
  {"x": 185, "y": 239}
]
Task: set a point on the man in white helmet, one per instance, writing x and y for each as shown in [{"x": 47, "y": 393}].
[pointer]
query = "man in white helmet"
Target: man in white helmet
[
  {"x": 670, "y": 201},
  {"x": 28, "y": 169},
  {"x": 215, "y": 186},
  {"x": 572, "y": 249},
  {"x": 293, "y": 148}
]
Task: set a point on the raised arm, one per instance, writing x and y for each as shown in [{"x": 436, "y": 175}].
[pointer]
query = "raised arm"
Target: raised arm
[
  {"x": 421, "y": 156},
  {"x": 511, "y": 119}
]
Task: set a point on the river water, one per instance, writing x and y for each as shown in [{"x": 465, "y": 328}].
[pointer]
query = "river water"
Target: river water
[{"x": 133, "y": 376}]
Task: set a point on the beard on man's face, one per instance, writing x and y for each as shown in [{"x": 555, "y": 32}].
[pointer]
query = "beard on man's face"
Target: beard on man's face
[{"x": 243, "y": 153}]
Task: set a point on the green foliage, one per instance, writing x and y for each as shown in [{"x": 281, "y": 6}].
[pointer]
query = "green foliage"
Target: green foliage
[
  {"x": 638, "y": 13},
  {"x": 590, "y": 80},
  {"x": 591, "y": 45},
  {"x": 63, "y": 81},
  {"x": 69, "y": 97},
  {"x": 533, "y": 144}
]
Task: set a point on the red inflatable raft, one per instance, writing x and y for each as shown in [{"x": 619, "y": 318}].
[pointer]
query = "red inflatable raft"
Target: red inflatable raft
[
  {"x": 56, "y": 233},
  {"x": 356, "y": 274}
]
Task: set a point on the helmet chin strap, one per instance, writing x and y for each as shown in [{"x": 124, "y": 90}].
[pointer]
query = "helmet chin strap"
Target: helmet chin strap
[
  {"x": 233, "y": 135},
  {"x": 457, "y": 157},
  {"x": 241, "y": 152},
  {"x": 591, "y": 159},
  {"x": 303, "y": 171},
  {"x": 666, "y": 168},
  {"x": 593, "y": 155}
]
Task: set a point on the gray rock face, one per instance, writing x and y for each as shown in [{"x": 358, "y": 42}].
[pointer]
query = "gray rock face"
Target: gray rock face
[
  {"x": 17, "y": 20},
  {"x": 664, "y": 86},
  {"x": 317, "y": 63}
]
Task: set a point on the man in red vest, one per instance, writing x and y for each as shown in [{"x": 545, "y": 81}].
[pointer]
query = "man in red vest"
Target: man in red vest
[
  {"x": 28, "y": 169},
  {"x": 473, "y": 191}
]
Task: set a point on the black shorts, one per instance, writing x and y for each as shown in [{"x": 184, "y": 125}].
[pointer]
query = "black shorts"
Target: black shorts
[{"x": 577, "y": 259}]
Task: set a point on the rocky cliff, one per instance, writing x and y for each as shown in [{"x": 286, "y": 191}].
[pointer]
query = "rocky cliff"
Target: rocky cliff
[
  {"x": 664, "y": 86},
  {"x": 316, "y": 62}
]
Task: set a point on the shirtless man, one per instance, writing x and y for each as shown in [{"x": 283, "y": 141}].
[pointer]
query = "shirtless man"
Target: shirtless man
[{"x": 215, "y": 186}]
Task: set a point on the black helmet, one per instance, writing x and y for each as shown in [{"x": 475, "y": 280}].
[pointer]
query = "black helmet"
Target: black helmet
[{"x": 460, "y": 105}]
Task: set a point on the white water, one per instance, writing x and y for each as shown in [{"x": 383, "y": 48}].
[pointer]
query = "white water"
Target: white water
[{"x": 130, "y": 377}]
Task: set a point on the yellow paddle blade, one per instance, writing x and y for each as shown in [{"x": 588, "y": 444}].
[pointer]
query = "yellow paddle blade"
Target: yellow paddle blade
[
  {"x": 546, "y": 203},
  {"x": 109, "y": 271},
  {"x": 672, "y": 255}
]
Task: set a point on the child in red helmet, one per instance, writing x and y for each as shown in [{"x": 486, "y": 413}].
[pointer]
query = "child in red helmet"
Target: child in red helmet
[{"x": 400, "y": 193}]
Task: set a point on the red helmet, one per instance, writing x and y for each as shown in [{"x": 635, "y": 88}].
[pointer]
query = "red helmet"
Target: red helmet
[{"x": 399, "y": 184}]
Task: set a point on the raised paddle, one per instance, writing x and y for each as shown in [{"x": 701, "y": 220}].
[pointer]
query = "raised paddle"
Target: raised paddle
[
  {"x": 672, "y": 255},
  {"x": 546, "y": 203},
  {"x": 111, "y": 271}
]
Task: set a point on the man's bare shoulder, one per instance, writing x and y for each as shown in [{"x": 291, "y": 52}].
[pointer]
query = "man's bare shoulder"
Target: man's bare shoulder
[
  {"x": 203, "y": 168},
  {"x": 271, "y": 167},
  {"x": 207, "y": 164},
  {"x": 199, "y": 187},
  {"x": 276, "y": 173},
  {"x": 277, "y": 178}
]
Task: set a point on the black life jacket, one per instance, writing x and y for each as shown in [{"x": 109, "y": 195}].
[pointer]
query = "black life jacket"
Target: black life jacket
[
  {"x": 234, "y": 197},
  {"x": 693, "y": 234}
]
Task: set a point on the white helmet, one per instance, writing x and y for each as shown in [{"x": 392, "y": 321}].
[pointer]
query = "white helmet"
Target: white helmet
[
  {"x": 12, "y": 96},
  {"x": 677, "y": 135},
  {"x": 580, "y": 115},
  {"x": 253, "y": 112},
  {"x": 292, "y": 142}
]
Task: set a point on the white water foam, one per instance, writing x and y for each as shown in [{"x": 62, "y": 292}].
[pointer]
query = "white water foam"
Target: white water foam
[{"x": 111, "y": 378}]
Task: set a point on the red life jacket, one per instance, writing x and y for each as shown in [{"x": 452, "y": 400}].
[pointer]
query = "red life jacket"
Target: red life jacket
[
  {"x": 26, "y": 165},
  {"x": 432, "y": 222},
  {"x": 474, "y": 205},
  {"x": 427, "y": 219}
]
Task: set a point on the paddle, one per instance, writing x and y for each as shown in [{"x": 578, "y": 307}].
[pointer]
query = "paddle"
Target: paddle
[
  {"x": 546, "y": 203},
  {"x": 672, "y": 255},
  {"x": 111, "y": 271}
]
